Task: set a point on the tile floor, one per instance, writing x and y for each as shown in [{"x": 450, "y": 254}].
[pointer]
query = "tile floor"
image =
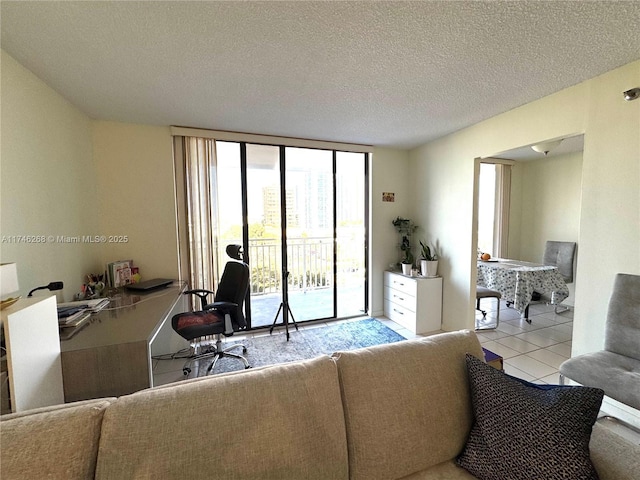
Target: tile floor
[{"x": 533, "y": 351}]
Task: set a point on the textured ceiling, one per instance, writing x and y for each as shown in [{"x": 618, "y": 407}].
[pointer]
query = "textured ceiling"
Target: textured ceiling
[{"x": 380, "y": 73}]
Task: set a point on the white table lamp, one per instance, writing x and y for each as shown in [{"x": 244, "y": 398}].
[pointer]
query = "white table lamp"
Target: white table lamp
[{"x": 8, "y": 280}]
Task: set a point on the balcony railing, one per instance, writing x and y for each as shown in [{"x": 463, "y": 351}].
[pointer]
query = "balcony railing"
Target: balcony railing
[{"x": 310, "y": 263}]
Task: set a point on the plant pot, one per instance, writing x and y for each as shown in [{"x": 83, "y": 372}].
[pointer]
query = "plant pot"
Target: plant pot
[
  {"x": 429, "y": 268},
  {"x": 406, "y": 269}
]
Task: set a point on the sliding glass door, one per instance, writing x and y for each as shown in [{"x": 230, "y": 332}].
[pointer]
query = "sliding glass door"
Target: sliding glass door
[
  {"x": 350, "y": 219},
  {"x": 313, "y": 202},
  {"x": 264, "y": 228},
  {"x": 310, "y": 244}
]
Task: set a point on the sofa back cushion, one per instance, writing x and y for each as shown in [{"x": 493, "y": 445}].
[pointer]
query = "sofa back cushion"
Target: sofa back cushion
[
  {"x": 52, "y": 442},
  {"x": 284, "y": 421},
  {"x": 407, "y": 405}
]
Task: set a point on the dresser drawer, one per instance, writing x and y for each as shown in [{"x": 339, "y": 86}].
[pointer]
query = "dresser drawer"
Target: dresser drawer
[
  {"x": 401, "y": 283},
  {"x": 400, "y": 298},
  {"x": 400, "y": 315}
]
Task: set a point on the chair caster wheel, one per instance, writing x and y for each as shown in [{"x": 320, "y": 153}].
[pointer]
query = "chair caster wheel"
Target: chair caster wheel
[
  {"x": 244, "y": 349},
  {"x": 247, "y": 367},
  {"x": 186, "y": 371}
]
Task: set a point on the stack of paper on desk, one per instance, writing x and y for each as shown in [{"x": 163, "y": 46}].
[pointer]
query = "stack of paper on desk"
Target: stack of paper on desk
[
  {"x": 72, "y": 314},
  {"x": 94, "y": 304}
]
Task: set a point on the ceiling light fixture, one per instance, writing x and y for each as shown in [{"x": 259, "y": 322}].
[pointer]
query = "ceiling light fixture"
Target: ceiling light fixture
[
  {"x": 632, "y": 94},
  {"x": 546, "y": 147}
]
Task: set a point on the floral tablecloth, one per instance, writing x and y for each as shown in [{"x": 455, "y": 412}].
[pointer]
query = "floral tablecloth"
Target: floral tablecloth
[{"x": 516, "y": 281}]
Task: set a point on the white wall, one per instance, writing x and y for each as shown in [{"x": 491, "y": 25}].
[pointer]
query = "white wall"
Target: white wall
[
  {"x": 550, "y": 201},
  {"x": 135, "y": 185},
  {"x": 63, "y": 174},
  {"x": 609, "y": 230},
  {"x": 443, "y": 207},
  {"x": 48, "y": 183},
  {"x": 546, "y": 198},
  {"x": 389, "y": 172}
]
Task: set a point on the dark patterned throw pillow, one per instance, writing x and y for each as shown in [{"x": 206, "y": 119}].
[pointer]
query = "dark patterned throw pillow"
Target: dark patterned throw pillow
[{"x": 524, "y": 431}]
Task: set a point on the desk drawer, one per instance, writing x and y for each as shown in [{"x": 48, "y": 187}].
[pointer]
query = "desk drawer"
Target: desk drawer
[
  {"x": 400, "y": 298},
  {"x": 401, "y": 283}
]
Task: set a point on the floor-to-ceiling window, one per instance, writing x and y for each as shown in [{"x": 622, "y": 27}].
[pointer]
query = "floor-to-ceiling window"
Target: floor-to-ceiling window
[
  {"x": 493, "y": 208},
  {"x": 313, "y": 203}
]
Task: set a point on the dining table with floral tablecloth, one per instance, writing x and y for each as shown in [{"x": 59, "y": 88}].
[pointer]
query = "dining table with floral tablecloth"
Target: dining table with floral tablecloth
[{"x": 517, "y": 280}]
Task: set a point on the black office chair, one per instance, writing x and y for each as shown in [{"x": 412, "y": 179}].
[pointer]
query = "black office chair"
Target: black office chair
[{"x": 222, "y": 317}]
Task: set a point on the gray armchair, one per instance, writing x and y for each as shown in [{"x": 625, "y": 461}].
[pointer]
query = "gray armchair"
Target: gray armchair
[{"x": 616, "y": 369}]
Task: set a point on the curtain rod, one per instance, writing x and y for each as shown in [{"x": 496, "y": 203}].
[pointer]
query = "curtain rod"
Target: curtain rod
[{"x": 268, "y": 139}]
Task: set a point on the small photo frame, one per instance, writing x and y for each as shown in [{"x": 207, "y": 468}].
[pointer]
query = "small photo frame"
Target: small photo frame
[{"x": 388, "y": 196}]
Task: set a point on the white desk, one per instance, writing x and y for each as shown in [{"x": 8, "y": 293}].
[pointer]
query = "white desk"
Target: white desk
[
  {"x": 111, "y": 354},
  {"x": 33, "y": 353}
]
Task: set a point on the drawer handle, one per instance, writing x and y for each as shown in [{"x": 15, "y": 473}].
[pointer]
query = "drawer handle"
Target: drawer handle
[
  {"x": 398, "y": 311},
  {"x": 399, "y": 283},
  {"x": 399, "y": 298}
]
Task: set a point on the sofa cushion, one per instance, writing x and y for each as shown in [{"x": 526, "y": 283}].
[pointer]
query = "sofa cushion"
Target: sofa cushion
[
  {"x": 52, "y": 442},
  {"x": 615, "y": 457},
  {"x": 284, "y": 421},
  {"x": 443, "y": 471},
  {"x": 407, "y": 405},
  {"x": 524, "y": 431}
]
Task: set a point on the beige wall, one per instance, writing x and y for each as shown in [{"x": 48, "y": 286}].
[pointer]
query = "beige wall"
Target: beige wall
[
  {"x": 389, "y": 172},
  {"x": 134, "y": 165},
  {"x": 443, "y": 176},
  {"x": 64, "y": 175},
  {"x": 48, "y": 183},
  {"x": 546, "y": 199},
  {"x": 609, "y": 229},
  {"x": 550, "y": 201}
]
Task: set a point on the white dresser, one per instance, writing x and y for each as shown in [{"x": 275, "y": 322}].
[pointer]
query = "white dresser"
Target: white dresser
[{"x": 413, "y": 302}]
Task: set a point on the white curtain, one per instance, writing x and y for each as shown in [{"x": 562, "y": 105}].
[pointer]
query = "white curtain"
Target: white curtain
[
  {"x": 195, "y": 172},
  {"x": 503, "y": 206}
]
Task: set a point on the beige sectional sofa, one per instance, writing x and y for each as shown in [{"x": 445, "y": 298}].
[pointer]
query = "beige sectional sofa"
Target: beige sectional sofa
[{"x": 399, "y": 410}]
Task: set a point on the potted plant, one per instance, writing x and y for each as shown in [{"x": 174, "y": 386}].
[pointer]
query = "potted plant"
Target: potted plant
[
  {"x": 429, "y": 260},
  {"x": 405, "y": 228}
]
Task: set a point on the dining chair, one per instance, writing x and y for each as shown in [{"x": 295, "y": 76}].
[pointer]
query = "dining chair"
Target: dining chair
[
  {"x": 483, "y": 292},
  {"x": 561, "y": 255}
]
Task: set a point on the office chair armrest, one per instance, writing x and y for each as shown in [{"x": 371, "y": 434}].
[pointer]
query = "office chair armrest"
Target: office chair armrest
[
  {"x": 198, "y": 291},
  {"x": 225, "y": 307}
]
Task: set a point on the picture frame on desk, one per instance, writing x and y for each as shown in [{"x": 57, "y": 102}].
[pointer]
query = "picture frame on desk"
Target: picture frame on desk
[{"x": 119, "y": 273}]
